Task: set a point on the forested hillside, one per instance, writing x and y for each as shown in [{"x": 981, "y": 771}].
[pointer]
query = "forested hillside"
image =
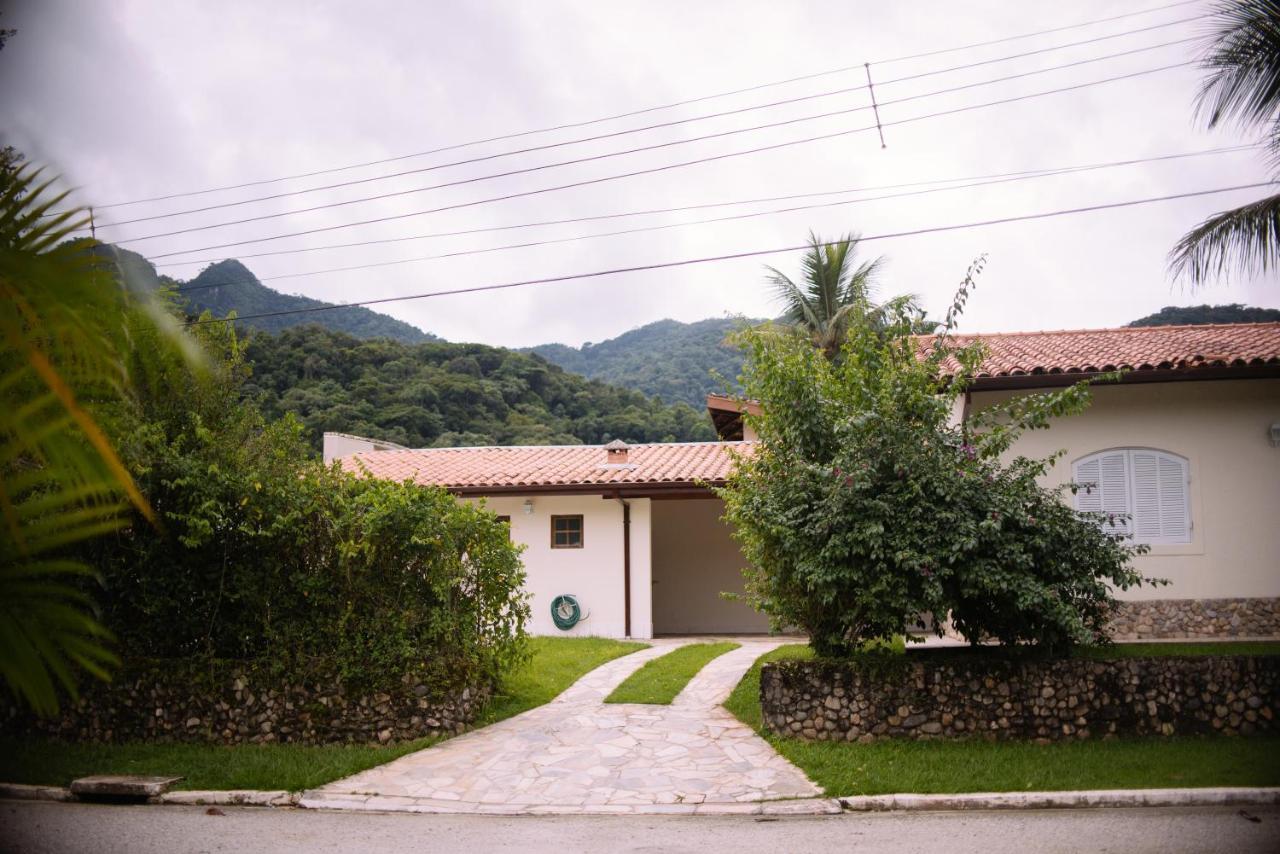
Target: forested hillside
[
  {"x": 230, "y": 286},
  {"x": 440, "y": 394},
  {"x": 1172, "y": 315},
  {"x": 669, "y": 359}
]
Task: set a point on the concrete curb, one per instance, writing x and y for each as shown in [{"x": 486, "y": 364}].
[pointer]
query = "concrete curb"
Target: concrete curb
[
  {"x": 396, "y": 803},
  {"x": 22, "y": 792},
  {"x": 231, "y": 798},
  {"x": 1118, "y": 798},
  {"x": 1207, "y": 797}
]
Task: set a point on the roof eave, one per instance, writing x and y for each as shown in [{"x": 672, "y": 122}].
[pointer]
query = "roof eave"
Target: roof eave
[
  {"x": 1161, "y": 375},
  {"x": 662, "y": 489}
]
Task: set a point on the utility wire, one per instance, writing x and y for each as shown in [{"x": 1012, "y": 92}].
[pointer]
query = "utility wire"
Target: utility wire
[
  {"x": 634, "y": 173},
  {"x": 753, "y": 253},
  {"x": 627, "y": 132},
  {"x": 1025, "y": 176},
  {"x": 667, "y": 106},
  {"x": 706, "y": 205}
]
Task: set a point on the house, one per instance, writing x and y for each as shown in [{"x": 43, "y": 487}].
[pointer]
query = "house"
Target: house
[
  {"x": 1187, "y": 444},
  {"x": 632, "y": 532}
]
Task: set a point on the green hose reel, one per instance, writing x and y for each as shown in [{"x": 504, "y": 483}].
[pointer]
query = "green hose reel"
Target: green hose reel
[{"x": 565, "y": 611}]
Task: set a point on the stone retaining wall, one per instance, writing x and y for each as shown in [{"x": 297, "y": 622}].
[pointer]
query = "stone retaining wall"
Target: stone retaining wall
[
  {"x": 171, "y": 702},
  {"x": 1196, "y": 618},
  {"x": 961, "y": 696}
]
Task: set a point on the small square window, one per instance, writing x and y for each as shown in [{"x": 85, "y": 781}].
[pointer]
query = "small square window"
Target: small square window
[
  {"x": 566, "y": 532},
  {"x": 506, "y": 520}
]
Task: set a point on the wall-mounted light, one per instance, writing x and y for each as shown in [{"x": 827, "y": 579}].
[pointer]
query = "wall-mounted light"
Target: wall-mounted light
[
  {"x": 1275, "y": 435},
  {"x": 527, "y": 507}
]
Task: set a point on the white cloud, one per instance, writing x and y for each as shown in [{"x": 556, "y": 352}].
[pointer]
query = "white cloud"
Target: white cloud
[{"x": 142, "y": 98}]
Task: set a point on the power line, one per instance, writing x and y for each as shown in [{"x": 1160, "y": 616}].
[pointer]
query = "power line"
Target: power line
[
  {"x": 706, "y": 205},
  {"x": 646, "y": 110},
  {"x": 754, "y": 253},
  {"x": 676, "y": 122},
  {"x": 634, "y": 173},
  {"x": 1008, "y": 178}
]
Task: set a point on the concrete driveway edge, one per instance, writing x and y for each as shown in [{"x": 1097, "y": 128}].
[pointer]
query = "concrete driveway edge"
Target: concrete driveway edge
[{"x": 1207, "y": 797}]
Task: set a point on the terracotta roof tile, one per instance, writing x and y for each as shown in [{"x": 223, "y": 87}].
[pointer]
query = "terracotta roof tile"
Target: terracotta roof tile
[
  {"x": 551, "y": 466},
  {"x": 1144, "y": 348}
]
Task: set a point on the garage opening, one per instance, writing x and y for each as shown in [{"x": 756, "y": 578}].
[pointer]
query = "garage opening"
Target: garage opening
[{"x": 694, "y": 560}]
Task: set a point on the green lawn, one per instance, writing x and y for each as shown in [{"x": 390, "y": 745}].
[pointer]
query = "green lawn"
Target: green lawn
[
  {"x": 556, "y": 664},
  {"x": 660, "y": 680},
  {"x": 896, "y": 766}
]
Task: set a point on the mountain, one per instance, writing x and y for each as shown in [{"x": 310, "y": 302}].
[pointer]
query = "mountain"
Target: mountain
[
  {"x": 441, "y": 394},
  {"x": 229, "y": 286},
  {"x": 666, "y": 359},
  {"x": 1198, "y": 314}
]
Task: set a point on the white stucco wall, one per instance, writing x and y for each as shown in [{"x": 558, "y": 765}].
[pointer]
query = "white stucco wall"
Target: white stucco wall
[
  {"x": 1220, "y": 427},
  {"x": 694, "y": 560},
  {"x": 338, "y": 445},
  {"x": 593, "y": 573}
]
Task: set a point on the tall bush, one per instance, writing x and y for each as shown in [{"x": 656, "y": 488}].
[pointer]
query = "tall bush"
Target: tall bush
[
  {"x": 864, "y": 506},
  {"x": 265, "y": 555}
]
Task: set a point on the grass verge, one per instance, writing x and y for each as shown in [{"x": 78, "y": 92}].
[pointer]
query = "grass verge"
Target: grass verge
[
  {"x": 556, "y": 664},
  {"x": 660, "y": 680},
  {"x": 895, "y": 766}
]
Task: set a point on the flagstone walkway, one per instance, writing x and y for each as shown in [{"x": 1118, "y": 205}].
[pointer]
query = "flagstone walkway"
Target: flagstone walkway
[{"x": 577, "y": 754}]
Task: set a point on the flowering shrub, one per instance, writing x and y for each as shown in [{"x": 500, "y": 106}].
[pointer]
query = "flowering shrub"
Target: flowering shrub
[{"x": 864, "y": 507}]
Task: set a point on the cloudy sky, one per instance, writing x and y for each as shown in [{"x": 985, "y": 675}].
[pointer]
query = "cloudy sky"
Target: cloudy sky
[{"x": 136, "y": 99}]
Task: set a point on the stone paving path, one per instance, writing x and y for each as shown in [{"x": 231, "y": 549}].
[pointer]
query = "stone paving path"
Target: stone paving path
[{"x": 577, "y": 754}]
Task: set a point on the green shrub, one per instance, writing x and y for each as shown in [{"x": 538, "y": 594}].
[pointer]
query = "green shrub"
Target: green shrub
[
  {"x": 863, "y": 507},
  {"x": 266, "y": 556}
]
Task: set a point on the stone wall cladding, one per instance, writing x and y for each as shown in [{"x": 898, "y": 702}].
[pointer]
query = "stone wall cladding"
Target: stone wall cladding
[
  {"x": 1030, "y": 700},
  {"x": 158, "y": 703},
  {"x": 1196, "y": 618}
]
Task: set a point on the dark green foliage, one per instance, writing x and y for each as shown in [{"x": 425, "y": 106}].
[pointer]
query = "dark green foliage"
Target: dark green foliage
[
  {"x": 450, "y": 394},
  {"x": 267, "y": 557},
  {"x": 237, "y": 289},
  {"x": 1241, "y": 62},
  {"x": 1174, "y": 315},
  {"x": 863, "y": 508},
  {"x": 677, "y": 362}
]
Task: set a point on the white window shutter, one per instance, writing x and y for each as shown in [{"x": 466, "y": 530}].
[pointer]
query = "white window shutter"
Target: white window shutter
[
  {"x": 1175, "y": 520},
  {"x": 1146, "y": 496},
  {"x": 1115, "y": 490},
  {"x": 1087, "y": 476},
  {"x": 1149, "y": 487}
]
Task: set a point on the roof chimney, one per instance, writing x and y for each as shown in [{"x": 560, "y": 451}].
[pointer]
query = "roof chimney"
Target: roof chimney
[{"x": 616, "y": 453}]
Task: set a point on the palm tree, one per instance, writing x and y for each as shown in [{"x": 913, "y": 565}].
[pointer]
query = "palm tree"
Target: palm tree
[
  {"x": 836, "y": 292},
  {"x": 1243, "y": 86},
  {"x": 63, "y": 348}
]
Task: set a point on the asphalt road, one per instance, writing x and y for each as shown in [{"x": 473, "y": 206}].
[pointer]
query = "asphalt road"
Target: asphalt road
[{"x": 52, "y": 827}]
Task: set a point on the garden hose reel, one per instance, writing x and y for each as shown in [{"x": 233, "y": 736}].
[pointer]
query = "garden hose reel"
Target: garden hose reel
[{"x": 566, "y": 612}]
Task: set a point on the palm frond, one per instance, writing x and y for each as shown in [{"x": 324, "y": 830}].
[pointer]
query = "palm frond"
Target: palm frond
[
  {"x": 833, "y": 292},
  {"x": 64, "y": 342},
  {"x": 1243, "y": 61},
  {"x": 1246, "y": 238}
]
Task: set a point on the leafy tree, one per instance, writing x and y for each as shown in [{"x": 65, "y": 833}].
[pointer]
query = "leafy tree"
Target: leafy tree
[
  {"x": 1197, "y": 314},
  {"x": 441, "y": 394},
  {"x": 1243, "y": 85},
  {"x": 265, "y": 556},
  {"x": 677, "y": 362},
  {"x": 835, "y": 293},
  {"x": 63, "y": 357},
  {"x": 863, "y": 507}
]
